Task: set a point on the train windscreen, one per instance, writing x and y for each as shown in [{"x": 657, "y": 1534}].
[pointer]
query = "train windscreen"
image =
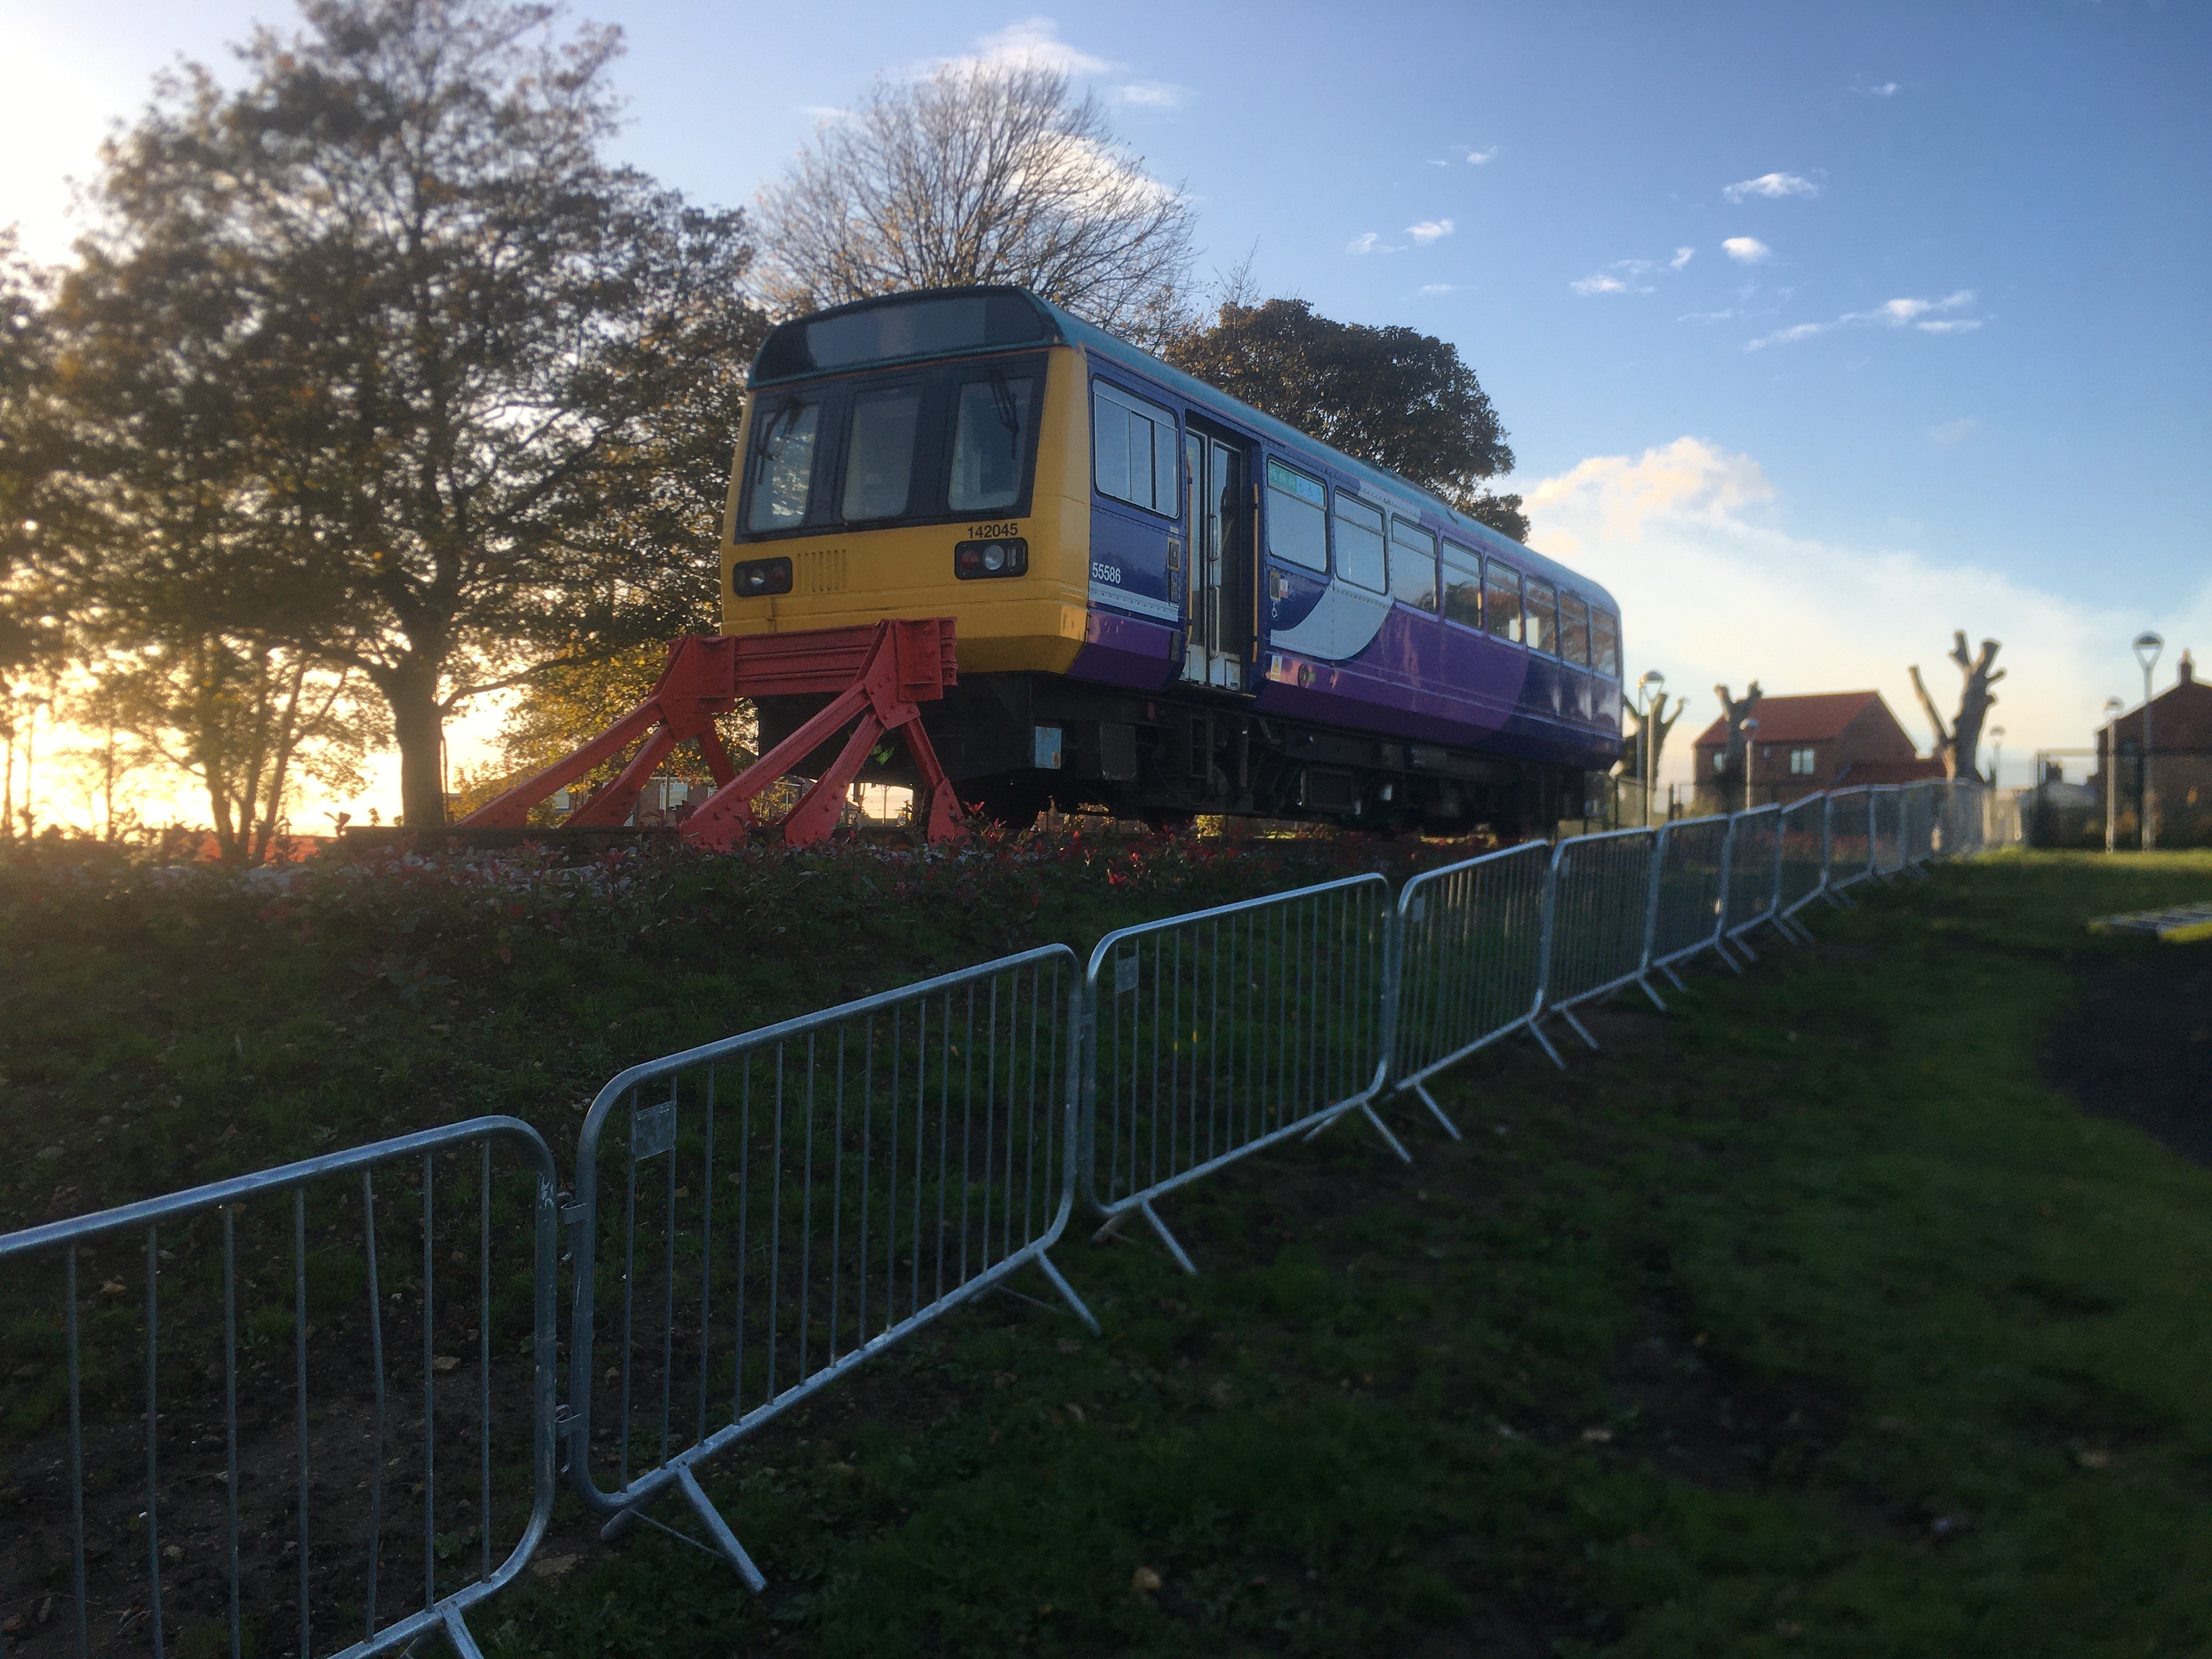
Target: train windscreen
[{"x": 899, "y": 331}]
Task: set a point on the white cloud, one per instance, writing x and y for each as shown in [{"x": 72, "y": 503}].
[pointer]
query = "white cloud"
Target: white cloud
[
  {"x": 1896, "y": 314},
  {"x": 1482, "y": 158},
  {"x": 1773, "y": 185},
  {"x": 1886, "y": 89},
  {"x": 1953, "y": 432},
  {"x": 1438, "y": 164},
  {"x": 1682, "y": 257},
  {"x": 1153, "y": 95},
  {"x": 1602, "y": 283},
  {"x": 825, "y": 115},
  {"x": 1034, "y": 43},
  {"x": 1429, "y": 230},
  {"x": 1746, "y": 250},
  {"x": 1363, "y": 243},
  {"x": 1714, "y": 587},
  {"x": 1439, "y": 288}
]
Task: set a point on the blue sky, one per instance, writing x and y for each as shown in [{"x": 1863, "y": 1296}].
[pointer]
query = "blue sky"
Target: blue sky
[{"x": 1819, "y": 332}]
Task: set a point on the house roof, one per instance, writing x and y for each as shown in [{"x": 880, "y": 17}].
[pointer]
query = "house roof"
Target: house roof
[
  {"x": 2181, "y": 716},
  {"x": 1810, "y": 719}
]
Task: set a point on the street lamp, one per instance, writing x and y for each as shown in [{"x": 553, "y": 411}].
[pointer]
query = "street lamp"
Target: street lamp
[
  {"x": 2147, "y": 646},
  {"x": 2113, "y": 708},
  {"x": 1653, "y": 680},
  {"x": 1750, "y": 728},
  {"x": 1996, "y": 766}
]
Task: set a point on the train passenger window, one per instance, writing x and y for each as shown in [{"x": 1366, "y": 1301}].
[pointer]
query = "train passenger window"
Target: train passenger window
[
  {"x": 1132, "y": 450},
  {"x": 1359, "y": 556},
  {"x": 987, "y": 434},
  {"x": 1542, "y": 624},
  {"x": 1574, "y": 629},
  {"x": 783, "y": 464},
  {"x": 879, "y": 453},
  {"x": 1462, "y": 586},
  {"x": 1298, "y": 517},
  {"x": 1501, "y": 600},
  {"x": 1412, "y": 564},
  {"x": 1605, "y": 643}
]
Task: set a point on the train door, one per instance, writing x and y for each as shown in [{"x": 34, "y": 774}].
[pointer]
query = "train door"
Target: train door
[{"x": 1217, "y": 651}]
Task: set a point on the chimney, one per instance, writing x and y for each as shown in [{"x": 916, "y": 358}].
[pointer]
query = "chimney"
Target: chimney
[{"x": 2186, "y": 674}]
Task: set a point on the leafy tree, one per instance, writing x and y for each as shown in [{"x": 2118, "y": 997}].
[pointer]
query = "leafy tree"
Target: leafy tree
[
  {"x": 978, "y": 174},
  {"x": 450, "y": 395},
  {"x": 1392, "y": 397}
]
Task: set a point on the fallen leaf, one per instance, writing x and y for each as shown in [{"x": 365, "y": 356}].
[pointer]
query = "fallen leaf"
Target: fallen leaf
[
  {"x": 1597, "y": 1436},
  {"x": 1144, "y": 1581},
  {"x": 445, "y": 1362},
  {"x": 2093, "y": 1459}
]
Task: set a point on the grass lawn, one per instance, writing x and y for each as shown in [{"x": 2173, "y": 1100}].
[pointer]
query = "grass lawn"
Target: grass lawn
[{"x": 1807, "y": 1318}]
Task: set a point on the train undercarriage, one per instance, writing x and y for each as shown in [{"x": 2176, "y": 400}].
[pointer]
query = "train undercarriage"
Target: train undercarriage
[{"x": 1015, "y": 745}]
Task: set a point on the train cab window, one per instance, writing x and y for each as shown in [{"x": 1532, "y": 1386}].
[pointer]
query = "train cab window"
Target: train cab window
[
  {"x": 1298, "y": 517},
  {"x": 1574, "y": 629},
  {"x": 1359, "y": 556},
  {"x": 1132, "y": 450},
  {"x": 879, "y": 453},
  {"x": 1463, "y": 578},
  {"x": 1412, "y": 564},
  {"x": 989, "y": 432},
  {"x": 783, "y": 464},
  {"x": 1501, "y": 600},
  {"x": 1605, "y": 643},
  {"x": 1541, "y": 625}
]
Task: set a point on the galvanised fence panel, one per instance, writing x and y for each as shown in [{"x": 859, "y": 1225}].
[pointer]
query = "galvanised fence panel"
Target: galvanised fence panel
[
  {"x": 1961, "y": 817},
  {"x": 759, "y": 1215},
  {"x": 1599, "y": 925},
  {"x": 1886, "y": 827},
  {"x": 1754, "y": 860},
  {"x": 305, "y": 1411},
  {"x": 1803, "y": 871},
  {"x": 1208, "y": 1036},
  {"x": 1469, "y": 964},
  {"x": 1692, "y": 863},
  {"x": 1850, "y": 837},
  {"x": 1917, "y": 823}
]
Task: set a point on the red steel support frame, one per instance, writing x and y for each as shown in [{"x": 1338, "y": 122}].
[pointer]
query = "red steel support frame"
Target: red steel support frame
[{"x": 877, "y": 674}]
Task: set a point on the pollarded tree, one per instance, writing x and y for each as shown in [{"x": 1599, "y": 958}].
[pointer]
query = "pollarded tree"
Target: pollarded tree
[
  {"x": 439, "y": 357},
  {"x": 1958, "y": 745},
  {"x": 1393, "y": 397},
  {"x": 979, "y": 172}
]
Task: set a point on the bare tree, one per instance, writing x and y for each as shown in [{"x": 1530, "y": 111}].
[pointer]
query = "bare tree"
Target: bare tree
[
  {"x": 1733, "y": 715},
  {"x": 979, "y": 173},
  {"x": 1661, "y": 723},
  {"x": 1958, "y": 746}
]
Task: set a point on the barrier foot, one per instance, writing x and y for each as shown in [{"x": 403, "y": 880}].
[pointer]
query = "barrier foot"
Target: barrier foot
[
  {"x": 1580, "y": 1029},
  {"x": 1674, "y": 978},
  {"x": 718, "y": 1529},
  {"x": 1383, "y": 1129},
  {"x": 457, "y": 1635},
  {"x": 1545, "y": 1043},
  {"x": 1067, "y": 1292},
  {"x": 1168, "y": 1238},
  {"x": 1720, "y": 950},
  {"x": 1744, "y": 946},
  {"x": 1436, "y": 1111},
  {"x": 1649, "y": 992},
  {"x": 1840, "y": 899}
]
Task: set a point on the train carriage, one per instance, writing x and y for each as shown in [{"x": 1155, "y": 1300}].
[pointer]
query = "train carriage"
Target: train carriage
[{"x": 1167, "y": 603}]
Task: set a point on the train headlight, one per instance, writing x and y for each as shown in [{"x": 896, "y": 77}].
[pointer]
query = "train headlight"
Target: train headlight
[
  {"x": 974, "y": 560},
  {"x": 756, "y": 579}
]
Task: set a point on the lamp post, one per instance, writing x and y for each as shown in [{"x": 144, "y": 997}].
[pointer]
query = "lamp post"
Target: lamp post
[
  {"x": 2147, "y": 646},
  {"x": 1653, "y": 680},
  {"x": 1750, "y": 756},
  {"x": 1996, "y": 766},
  {"x": 2113, "y": 708}
]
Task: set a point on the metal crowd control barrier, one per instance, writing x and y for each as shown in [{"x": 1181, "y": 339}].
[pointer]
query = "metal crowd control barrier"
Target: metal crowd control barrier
[
  {"x": 1961, "y": 818},
  {"x": 1210, "y": 1036},
  {"x": 1755, "y": 859},
  {"x": 1850, "y": 840},
  {"x": 1917, "y": 825},
  {"x": 1886, "y": 828},
  {"x": 1801, "y": 869},
  {"x": 1691, "y": 864},
  {"x": 282, "y": 1382},
  {"x": 1598, "y": 922},
  {"x": 1469, "y": 964},
  {"x": 796, "y": 1200}
]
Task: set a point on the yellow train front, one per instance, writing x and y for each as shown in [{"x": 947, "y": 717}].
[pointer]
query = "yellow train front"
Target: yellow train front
[{"x": 1166, "y": 602}]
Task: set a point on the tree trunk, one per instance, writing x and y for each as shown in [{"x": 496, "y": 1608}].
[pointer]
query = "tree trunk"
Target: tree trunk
[
  {"x": 1959, "y": 746},
  {"x": 1734, "y": 714},
  {"x": 418, "y": 726}
]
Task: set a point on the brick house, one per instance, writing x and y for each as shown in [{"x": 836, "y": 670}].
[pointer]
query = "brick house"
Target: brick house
[
  {"x": 2181, "y": 761},
  {"x": 1828, "y": 741}
]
